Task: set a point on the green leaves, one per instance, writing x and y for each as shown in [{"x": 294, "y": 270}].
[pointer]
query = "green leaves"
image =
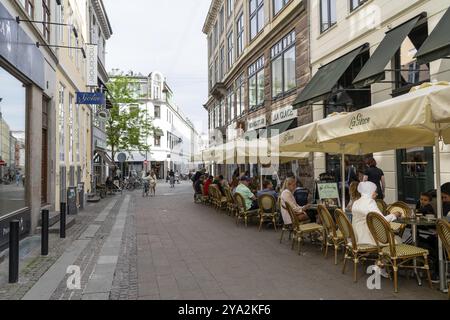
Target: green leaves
[{"x": 129, "y": 125}]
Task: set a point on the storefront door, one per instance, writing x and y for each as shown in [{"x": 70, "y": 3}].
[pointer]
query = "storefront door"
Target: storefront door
[{"x": 415, "y": 169}]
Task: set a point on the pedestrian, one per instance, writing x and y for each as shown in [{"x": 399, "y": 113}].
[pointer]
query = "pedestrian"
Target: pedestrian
[
  {"x": 206, "y": 185},
  {"x": 146, "y": 179},
  {"x": 172, "y": 178},
  {"x": 375, "y": 175},
  {"x": 17, "y": 178},
  {"x": 152, "y": 183}
]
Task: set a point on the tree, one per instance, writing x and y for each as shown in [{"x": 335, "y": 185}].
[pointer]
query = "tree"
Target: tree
[{"x": 129, "y": 125}]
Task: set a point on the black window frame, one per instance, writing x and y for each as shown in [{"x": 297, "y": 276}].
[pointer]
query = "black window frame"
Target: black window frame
[
  {"x": 255, "y": 14},
  {"x": 354, "y": 6},
  {"x": 284, "y": 3},
  {"x": 329, "y": 23},
  {"x": 253, "y": 71},
  {"x": 230, "y": 48},
  {"x": 157, "y": 116},
  {"x": 29, "y": 8},
  {"x": 240, "y": 35},
  {"x": 290, "y": 40}
]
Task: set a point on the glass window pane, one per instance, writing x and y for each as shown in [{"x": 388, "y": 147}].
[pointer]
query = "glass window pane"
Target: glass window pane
[
  {"x": 260, "y": 19},
  {"x": 253, "y": 27},
  {"x": 252, "y": 91},
  {"x": 289, "y": 70},
  {"x": 260, "y": 87},
  {"x": 12, "y": 144},
  {"x": 277, "y": 77},
  {"x": 324, "y": 14},
  {"x": 332, "y": 12}
]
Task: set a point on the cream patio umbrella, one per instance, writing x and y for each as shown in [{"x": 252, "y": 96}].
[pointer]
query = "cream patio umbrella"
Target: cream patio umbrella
[{"x": 419, "y": 118}]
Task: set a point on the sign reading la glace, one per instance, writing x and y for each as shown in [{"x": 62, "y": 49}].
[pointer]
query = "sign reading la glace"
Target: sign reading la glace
[
  {"x": 283, "y": 114},
  {"x": 358, "y": 120}
]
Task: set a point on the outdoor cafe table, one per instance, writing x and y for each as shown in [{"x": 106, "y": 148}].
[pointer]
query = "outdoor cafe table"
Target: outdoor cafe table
[{"x": 414, "y": 223}]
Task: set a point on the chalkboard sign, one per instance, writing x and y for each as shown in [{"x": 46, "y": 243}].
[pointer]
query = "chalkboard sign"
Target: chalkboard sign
[
  {"x": 328, "y": 193},
  {"x": 72, "y": 200}
]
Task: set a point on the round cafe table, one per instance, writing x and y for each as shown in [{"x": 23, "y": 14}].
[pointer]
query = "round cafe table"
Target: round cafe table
[{"x": 414, "y": 223}]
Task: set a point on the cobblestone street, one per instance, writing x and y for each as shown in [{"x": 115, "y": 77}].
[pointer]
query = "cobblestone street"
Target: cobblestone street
[{"x": 167, "y": 247}]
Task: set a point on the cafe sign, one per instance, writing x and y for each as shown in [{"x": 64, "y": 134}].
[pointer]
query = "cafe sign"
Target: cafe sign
[
  {"x": 283, "y": 114},
  {"x": 257, "y": 123},
  {"x": 358, "y": 120},
  {"x": 91, "y": 68}
]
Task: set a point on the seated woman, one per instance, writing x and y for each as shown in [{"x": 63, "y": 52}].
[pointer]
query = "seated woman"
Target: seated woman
[
  {"x": 354, "y": 195},
  {"x": 287, "y": 196},
  {"x": 362, "y": 207}
]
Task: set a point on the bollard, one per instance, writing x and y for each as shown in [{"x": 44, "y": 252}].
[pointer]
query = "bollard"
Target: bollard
[
  {"x": 14, "y": 251},
  {"x": 44, "y": 232},
  {"x": 62, "y": 221}
]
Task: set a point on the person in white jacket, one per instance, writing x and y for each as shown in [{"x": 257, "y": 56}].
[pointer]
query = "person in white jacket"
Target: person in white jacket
[{"x": 362, "y": 207}]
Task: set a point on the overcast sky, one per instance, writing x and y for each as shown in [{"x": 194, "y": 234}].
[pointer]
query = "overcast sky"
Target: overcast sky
[{"x": 165, "y": 36}]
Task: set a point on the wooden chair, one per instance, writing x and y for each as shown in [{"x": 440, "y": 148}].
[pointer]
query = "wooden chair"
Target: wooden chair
[
  {"x": 219, "y": 200},
  {"x": 300, "y": 230},
  {"x": 241, "y": 210},
  {"x": 285, "y": 227},
  {"x": 405, "y": 210},
  {"x": 231, "y": 204},
  {"x": 392, "y": 254},
  {"x": 267, "y": 210},
  {"x": 333, "y": 237},
  {"x": 443, "y": 230},
  {"x": 353, "y": 251}
]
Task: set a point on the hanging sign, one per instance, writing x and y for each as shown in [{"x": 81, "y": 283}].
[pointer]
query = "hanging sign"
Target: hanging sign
[
  {"x": 96, "y": 98},
  {"x": 91, "y": 68}
]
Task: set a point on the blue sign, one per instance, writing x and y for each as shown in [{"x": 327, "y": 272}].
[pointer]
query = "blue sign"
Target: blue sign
[{"x": 97, "y": 98}]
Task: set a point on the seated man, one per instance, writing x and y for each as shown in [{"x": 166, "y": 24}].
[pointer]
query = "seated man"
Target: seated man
[
  {"x": 245, "y": 192},
  {"x": 268, "y": 189},
  {"x": 424, "y": 205},
  {"x": 198, "y": 188},
  {"x": 287, "y": 196}
]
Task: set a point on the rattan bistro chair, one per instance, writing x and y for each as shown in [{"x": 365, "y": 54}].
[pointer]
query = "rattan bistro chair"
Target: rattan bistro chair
[
  {"x": 267, "y": 210},
  {"x": 405, "y": 210},
  {"x": 443, "y": 230},
  {"x": 333, "y": 237},
  {"x": 285, "y": 227},
  {"x": 392, "y": 254},
  {"x": 353, "y": 251},
  {"x": 241, "y": 210},
  {"x": 231, "y": 204},
  {"x": 205, "y": 198},
  {"x": 382, "y": 206},
  {"x": 212, "y": 196},
  {"x": 300, "y": 230},
  {"x": 220, "y": 201}
]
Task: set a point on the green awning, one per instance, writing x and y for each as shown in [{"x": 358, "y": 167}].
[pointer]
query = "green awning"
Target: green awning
[
  {"x": 281, "y": 127},
  {"x": 373, "y": 70},
  {"x": 158, "y": 133},
  {"x": 437, "y": 45},
  {"x": 326, "y": 79}
]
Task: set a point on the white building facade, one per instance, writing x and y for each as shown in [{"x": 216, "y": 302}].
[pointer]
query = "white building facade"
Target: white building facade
[{"x": 373, "y": 32}]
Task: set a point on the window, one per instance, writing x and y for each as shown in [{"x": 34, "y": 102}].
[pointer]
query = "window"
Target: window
[
  {"x": 221, "y": 20},
  {"x": 222, "y": 63},
  {"x": 62, "y": 145},
  {"x": 356, "y": 3},
  {"x": 157, "y": 82},
  {"x": 278, "y": 5},
  {"x": 77, "y": 133},
  {"x": 230, "y": 5},
  {"x": 230, "y": 106},
  {"x": 256, "y": 84},
  {"x": 240, "y": 96},
  {"x": 216, "y": 35},
  {"x": 70, "y": 32},
  {"x": 29, "y": 8},
  {"x": 409, "y": 72},
  {"x": 71, "y": 131},
  {"x": 222, "y": 113},
  {"x": 210, "y": 49},
  {"x": 216, "y": 116},
  {"x": 216, "y": 70},
  {"x": 240, "y": 35},
  {"x": 210, "y": 81},
  {"x": 157, "y": 112},
  {"x": 61, "y": 21},
  {"x": 283, "y": 66},
  {"x": 230, "y": 56},
  {"x": 256, "y": 17},
  {"x": 46, "y": 18},
  {"x": 327, "y": 14},
  {"x": 157, "y": 141}
]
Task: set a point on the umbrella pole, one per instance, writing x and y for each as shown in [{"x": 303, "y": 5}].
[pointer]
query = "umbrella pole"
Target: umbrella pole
[
  {"x": 343, "y": 180},
  {"x": 439, "y": 210}
]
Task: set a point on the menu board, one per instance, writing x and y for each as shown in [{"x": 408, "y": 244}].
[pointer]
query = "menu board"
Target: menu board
[{"x": 328, "y": 193}]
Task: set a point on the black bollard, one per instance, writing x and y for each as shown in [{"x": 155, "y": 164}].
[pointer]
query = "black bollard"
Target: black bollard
[
  {"x": 14, "y": 251},
  {"x": 44, "y": 232},
  {"x": 62, "y": 221}
]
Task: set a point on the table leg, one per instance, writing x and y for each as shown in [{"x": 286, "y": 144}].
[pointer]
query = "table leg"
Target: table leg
[{"x": 414, "y": 236}]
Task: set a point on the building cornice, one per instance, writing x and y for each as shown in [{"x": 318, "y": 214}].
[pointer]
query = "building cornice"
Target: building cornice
[
  {"x": 102, "y": 16},
  {"x": 212, "y": 14}
]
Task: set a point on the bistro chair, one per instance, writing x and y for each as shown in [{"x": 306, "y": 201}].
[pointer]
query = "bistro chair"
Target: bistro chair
[
  {"x": 212, "y": 196},
  {"x": 392, "y": 254},
  {"x": 267, "y": 210},
  {"x": 353, "y": 251},
  {"x": 300, "y": 230},
  {"x": 241, "y": 210},
  {"x": 443, "y": 230},
  {"x": 204, "y": 198},
  {"x": 285, "y": 227},
  {"x": 231, "y": 205},
  {"x": 220, "y": 200},
  {"x": 382, "y": 206},
  {"x": 333, "y": 237},
  {"x": 405, "y": 210}
]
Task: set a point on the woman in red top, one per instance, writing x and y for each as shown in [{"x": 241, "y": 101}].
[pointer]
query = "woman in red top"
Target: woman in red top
[{"x": 207, "y": 184}]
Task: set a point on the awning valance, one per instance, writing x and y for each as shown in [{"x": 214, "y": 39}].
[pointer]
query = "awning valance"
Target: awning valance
[
  {"x": 373, "y": 70},
  {"x": 437, "y": 45},
  {"x": 279, "y": 127},
  {"x": 326, "y": 79}
]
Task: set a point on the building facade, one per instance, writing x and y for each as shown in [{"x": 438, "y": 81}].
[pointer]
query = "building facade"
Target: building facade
[
  {"x": 173, "y": 140},
  {"x": 373, "y": 44},
  {"x": 258, "y": 61}
]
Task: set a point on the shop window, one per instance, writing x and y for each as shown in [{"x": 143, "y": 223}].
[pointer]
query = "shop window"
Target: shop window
[
  {"x": 13, "y": 151},
  {"x": 408, "y": 72}
]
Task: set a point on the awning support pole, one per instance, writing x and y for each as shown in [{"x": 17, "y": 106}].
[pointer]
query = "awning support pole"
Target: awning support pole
[
  {"x": 442, "y": 275},
  {"x": 343, "y": 177}
]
